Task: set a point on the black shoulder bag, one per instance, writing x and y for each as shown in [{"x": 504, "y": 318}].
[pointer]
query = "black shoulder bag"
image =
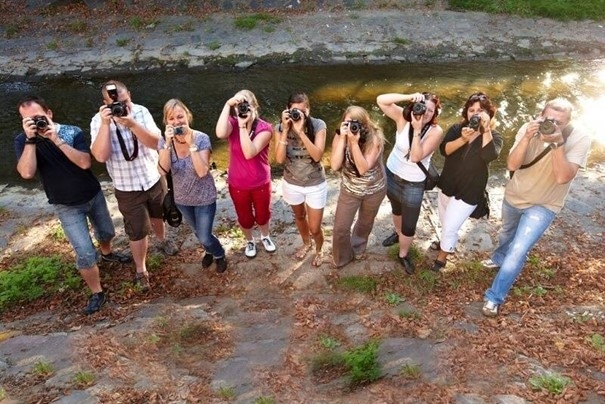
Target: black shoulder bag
[
  {"x": 431, "y": 175},
  {"x": 566, "y": 132},
  {"x": 170, "y": 212}
]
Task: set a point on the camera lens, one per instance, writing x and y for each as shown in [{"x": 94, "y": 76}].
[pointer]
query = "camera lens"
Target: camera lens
[
  {"x": 547, "y": 127},
  {"x": 41, "y": 122},
  {"x": 243, "y": 108},
  {"x": 295, "y": 114},
  {"x": 118, "y": 109},
  {"x": 178, "y": 130},
  {"x": 354, "y": 126},
  {"x": 419, "y": 108},
  {"x": 474, "y": 122}
]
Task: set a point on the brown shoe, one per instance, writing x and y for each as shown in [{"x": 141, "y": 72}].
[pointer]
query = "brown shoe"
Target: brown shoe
[{"x": 141, "y": 280}]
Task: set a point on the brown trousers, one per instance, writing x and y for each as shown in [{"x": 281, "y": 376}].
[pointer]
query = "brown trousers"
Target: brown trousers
[{"x": 346, "y": 244}]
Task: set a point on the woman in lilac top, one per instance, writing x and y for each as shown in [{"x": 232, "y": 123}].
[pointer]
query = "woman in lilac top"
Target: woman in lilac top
[
  {"x": 249, "y": 175},
  {"x": 185, "y": 153}
]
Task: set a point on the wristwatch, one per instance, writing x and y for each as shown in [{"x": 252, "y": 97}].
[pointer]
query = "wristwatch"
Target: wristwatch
[
  {"x": 555, "y": 145},
  {"x": 193, "y": 148}
]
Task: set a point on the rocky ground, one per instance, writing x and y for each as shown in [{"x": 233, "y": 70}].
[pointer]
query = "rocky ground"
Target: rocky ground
[{"x": 267, "y": 328}]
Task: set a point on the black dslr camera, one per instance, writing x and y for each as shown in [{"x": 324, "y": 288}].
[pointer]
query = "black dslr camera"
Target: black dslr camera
[
  {"x": 547, "y": 127},
  {"x": 354, "y": 126},
  {"x": 243, "y": 108},
  {"x": 474, "y": 122},
  {"x": 295, "y": 114},
  {"x": 117, "y": 108},
  {"x": 40, "y": 121},
  {"x": 419, "y": 108}
]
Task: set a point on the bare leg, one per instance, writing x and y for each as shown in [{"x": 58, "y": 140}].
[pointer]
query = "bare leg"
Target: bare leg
[
  {"x": 92, "y": 278},
  {"x": 139, "y": 253},
  {"x": 159, "y": 229}
]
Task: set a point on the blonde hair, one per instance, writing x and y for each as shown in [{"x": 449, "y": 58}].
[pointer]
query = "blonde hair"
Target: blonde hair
[
  {"x": 171, "y": 105},
  {"x": 370, "y": 131},
  {"x": 559, "y": 104}
]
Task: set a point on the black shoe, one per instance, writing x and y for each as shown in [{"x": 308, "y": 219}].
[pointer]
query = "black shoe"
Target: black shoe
[
  {"x": 207, "y": 260},
  {"x": 438, "y": 266},
  {"x": 407, "y": 265},
  {"x": 221, "y": 265},
  {"x": 96, "y": 301},
  {"x": 392, "y": 239},
  {"x": 116, "y": 257}
]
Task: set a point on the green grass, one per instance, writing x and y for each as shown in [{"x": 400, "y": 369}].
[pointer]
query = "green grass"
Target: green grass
[
  {"x": 410, "y": 371},
  {"x": 35, "y": 278},
  {"x": 251, "y": 21},
  {"x": 401, "y": 41},
  {"x": 393, "y": 298},
  {"x": 214, "y": 45},
  {"x": 52, "y": 45},
  {"x": 553, "y": 383},
  {"x": 42, "y": 368},
  {"x": 122, "y": 42},
  {"x": 362, "y": 284},
  {"x": 57, "y": 233},
  {"x": 328, "y": 342},
  {"x": 597, "y": 341},
  {"x": 155, "y": 261},
  {"x": 83, "y": 378},
  {"x": 264, "y": 400},
  {"x": 226, "y": 392},
  {"x": 78, "y": 26},
  {"x": 2, "y": 394},
  {"x": 362, "y": 364},
  {"x": 409, "y": 314},
  {"x": 562, "y": 10},
  {"x": 140, "y": 23}
]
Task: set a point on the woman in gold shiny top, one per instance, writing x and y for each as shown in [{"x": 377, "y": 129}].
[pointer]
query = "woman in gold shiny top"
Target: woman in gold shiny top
[{"x": 357, "y": 151}]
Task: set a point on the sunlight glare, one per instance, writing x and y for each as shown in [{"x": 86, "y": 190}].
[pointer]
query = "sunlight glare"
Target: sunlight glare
[{"x": 591, "y": 117}]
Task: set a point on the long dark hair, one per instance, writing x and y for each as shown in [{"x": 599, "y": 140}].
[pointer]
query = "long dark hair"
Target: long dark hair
[{"x": 301, "y": 98}]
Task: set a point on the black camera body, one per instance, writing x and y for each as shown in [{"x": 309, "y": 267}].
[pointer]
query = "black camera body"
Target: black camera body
[
  {"x": 414, "y": 108},
  {"x": 354, "y": 126},
  {"x": 117, "y": 108},
  {"x": 243, "y": 108},
  {"x": 295, "y": 114},
  {"x": 474, "y": 122},
  {"x": 40, "y": 121},
  {"x": 547, "y": 127},
  {"x": 178, "y": 130}
]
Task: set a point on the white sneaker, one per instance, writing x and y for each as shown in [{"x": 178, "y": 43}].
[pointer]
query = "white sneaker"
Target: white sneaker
[
  {"x": 490, "y": 309},
  {"x": 250, "y": 249},
  {"x": 489, "y": 264},
  {"x": 268, "y": 244}
]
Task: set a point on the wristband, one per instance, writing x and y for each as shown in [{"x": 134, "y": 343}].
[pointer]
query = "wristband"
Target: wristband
[{"x": 31, "y": 140}]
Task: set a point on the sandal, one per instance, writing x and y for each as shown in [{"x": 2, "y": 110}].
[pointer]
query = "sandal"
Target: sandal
[
  {"x": 435, "y": 245},
  {"x": 318, "y": 259},
  {"x": 302, "y": 251}
]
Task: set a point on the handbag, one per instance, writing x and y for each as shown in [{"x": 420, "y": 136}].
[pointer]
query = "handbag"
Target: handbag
[
  {"x": 171, "y": 214},
  {"x": 432, "y": 176},
  {"x": 482, "y": 208}
]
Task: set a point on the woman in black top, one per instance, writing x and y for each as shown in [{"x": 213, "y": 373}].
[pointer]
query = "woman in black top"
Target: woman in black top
[{"x": 468, "y": 147}]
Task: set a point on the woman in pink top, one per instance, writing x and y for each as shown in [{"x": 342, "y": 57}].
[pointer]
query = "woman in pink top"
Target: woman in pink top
[{"x": 249, "y": 174}]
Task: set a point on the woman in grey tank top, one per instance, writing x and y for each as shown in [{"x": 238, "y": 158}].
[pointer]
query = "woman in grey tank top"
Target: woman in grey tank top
[{"x": 300, "y": 144}]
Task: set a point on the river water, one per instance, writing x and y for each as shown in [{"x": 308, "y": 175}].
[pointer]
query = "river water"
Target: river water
[{"x": 518, "y": 88}]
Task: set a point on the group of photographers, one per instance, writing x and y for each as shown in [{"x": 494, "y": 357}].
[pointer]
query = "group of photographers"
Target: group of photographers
[{"x": 546, "y": 156}]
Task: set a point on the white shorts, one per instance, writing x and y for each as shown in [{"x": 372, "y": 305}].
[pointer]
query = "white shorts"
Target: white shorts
[{"x": 315, "y": 196}]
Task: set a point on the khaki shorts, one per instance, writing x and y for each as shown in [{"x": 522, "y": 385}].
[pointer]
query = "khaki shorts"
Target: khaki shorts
[{"x": 139, "y": 207}]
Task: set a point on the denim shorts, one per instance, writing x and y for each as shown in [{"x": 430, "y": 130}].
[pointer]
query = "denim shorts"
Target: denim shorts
[
  {"x": 75, "y": 219},
  {"x": 406, "y": 201}
]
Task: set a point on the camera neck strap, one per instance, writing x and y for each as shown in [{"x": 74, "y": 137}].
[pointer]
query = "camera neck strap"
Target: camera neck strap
[
  {"x": 566, "y": 132},
  {"x": 135, "y": 151},
  {"x": 425, "y": 129}
]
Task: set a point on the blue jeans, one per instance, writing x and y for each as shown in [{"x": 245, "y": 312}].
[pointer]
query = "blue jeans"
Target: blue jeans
[
  {"x": 406, "y": 201},
  {"x": 74, "y": 220},
  {"x": 201, "y": 220},
  {"x": 521, "y": 230}
]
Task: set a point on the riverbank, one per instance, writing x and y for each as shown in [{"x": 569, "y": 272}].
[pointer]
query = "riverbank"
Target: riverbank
[{"x": 81, "y": 45}]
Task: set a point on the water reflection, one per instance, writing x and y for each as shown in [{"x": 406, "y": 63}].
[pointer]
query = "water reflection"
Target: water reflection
[{"x": 518, "y": 88}]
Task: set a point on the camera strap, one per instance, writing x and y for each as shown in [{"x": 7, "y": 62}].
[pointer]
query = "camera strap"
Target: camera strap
[
  {"x": 566, "y": 132},
  {"x": 135, "y": 151},
  {"x": 411, "y": 135}
]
